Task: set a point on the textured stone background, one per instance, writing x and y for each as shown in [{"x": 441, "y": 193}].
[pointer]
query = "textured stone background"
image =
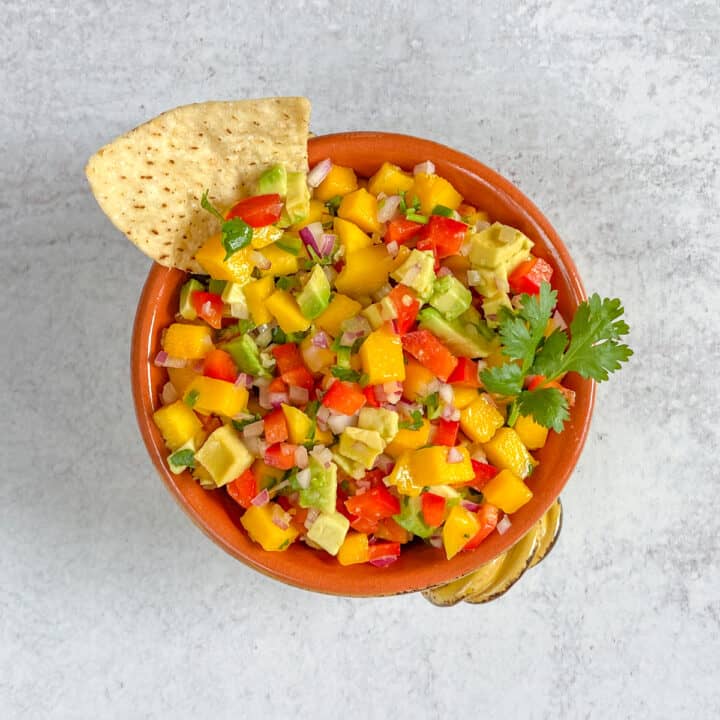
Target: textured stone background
[{"x": 113, "y": 605}]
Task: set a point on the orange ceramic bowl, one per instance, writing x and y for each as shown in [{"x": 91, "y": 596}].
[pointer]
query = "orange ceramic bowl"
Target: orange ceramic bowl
[{"x": 420, "y": 566}]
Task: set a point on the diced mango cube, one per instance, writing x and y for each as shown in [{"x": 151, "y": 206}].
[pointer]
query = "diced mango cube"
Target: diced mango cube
[
  {"x": 212, "y": 396},
  {"x": 506, "y": 451},
  {"x": 433, "y": 190},
  {"x": 382, "y": 357},
  {"x": 507, "y": 491},
  {"x": 365, "y": 271},
  {"x": 341, "y": 308},
  {"x": 237, "y": 268},
  {"x": 460, "y": 527},
  {"x": 316, "y": 358},
  {"x": 177, "y": 424},
  {"x": 224, "y": 455},
  {"x": 265, "y": 474},
  {"x": 339, "y": 181},
  {"x": 181, "y": 378},
  {"x": 430, "y": 465},
  {"x": 390, "y": 179},
  {"x": 284, "y": 308},
  {"x": 256, "y": 293},
  {"x": 264, "y": 236},
  {"x": 354, "y": 549},
  {"x": 417, "y": 380},
  {"x": 463, "y": 396},
  {"x": 361, "y": 208},
  {"x": 281, "y": 261},
  {"x": 532, "y": 433},
  {"x": 402, "y": 477},
  {"x": 258, "y": 522},
  {"x": 190, "y": 342},
  {"x": 299, "y": 424},
  {"x": 351, "y": 237},
  {"x": 409, "y": 439},
  {"x": 480, "y": 419}
]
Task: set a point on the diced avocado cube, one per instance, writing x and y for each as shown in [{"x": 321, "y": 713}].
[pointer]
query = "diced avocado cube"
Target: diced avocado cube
[
  {"x": 492, "y": 305},
  {"x": 187, "y": 309},
  {"x": 472, "y": 317},
  {"x": 322, "y": 491},
  {"x": 497, "y": 245},
  {"x": 329, "y": 531},
  {"x": 216, "y": 287},
  {"x": 384, "y": 422},
  {"x": 246, "y": 355},
  {"x": 315, "y": 296},
  {"x": 273, "y": 181},
  {"x": 233, "y": 293},
  {"x": 362, "y": 446},
  {"x": 464, "y": 340},
  {"x": 354, "y": 469},
  {"x": 417, "y": 272},
  {"x": 297, "y": 200},
  {"x": 450, "y": 297},
  {"x": 380, "y": 312},
  {"x": 224, "y": 456},
  {"x": 410, "y": 517}
]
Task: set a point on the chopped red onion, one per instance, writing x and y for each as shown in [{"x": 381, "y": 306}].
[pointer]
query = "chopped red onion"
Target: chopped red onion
[
  {"x": 436, "y": 541},
  {"x": 301, "y": 456},
  {"x": 387, "y": 208},
  {"x": 262, "y": 498},
  {"x": 407, "y": 408},
  {"x": 469, "y": 505},
  {"x": 445, "y": 392},
  {"x": 169, "y": 394},
  {"x": 264, "y": 398},
  {"x": 244, "y": 380},
  {"x": 444, "y": 271},
  {"x": 393, "y": 248},
  {"x": 255, "y": 429},
  {"x": 319, "y": 172},
  {"x": 303, "y": 478},
  {"x": 280, "y": 517},
  {"x": 323, "y": 413},
  {"x": 504, "y": 525},
  {"x": 454, "y": 456},
  {"x": 312, "y": 516},
  {"x": 310, "y": 235},
  {"x": 278, "y": 398},
  {"x": 298, "y": 395},
  {"x": 448, "y": 413},
  {"x": 255, "y": 446},
  {"x": 433, "y": 386},
  {"x": 427, "y": 168},
  {"x": 337, "y": 423},
  {"x": 384, "y": 463},
  {"x": 162, "y": 359},
  {"x": 320, "y": 339},
  {"x": 260, "y": 260},
  {"x": 326, "y": 244},
  {"x": 384, "y": 561}
]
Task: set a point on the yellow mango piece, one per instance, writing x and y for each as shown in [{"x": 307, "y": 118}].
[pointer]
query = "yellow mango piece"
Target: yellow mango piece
[
  {"x": 409, "y": 440},
  {"x": 382, "y": 357},
  {"x": 457, "y": 264},
  {"x": 264, "y": 236},
  {"x": 365, "y": 271},
  {"x": 299, "y": 424},
  {"x": 532, "y": 433},
  {"x": 237, "y": 268},
  {"x": 265, "y": 474},
  {"x": 190, "y": 342},
  {"x": 417, "y": 380},
  {"x": 341, "y": 308},
  {"x": 181, "y": 378},
  {"x": 281, "y": 261},
  {"x": 460, "y": 527},
  {"x": 284, "y": 308},
  {"x": 177, "y": 423},
  {"x": 224, "y": 456},
  {"x": 507, "y": 491},
  {"x": 354, "y": 549},
  {"x": 463, "y": 396},
  {"x": 316, "y": 358},
  {"x": 317, "y": 210},
  {"x": 480, "y": 419},
  {"x": 360, "y": 207},
  {"x": 390, "y": 179},
  {"x": 339, "y": 181},
  {"x": 213, "y": 396},
  {"x": 402, "y": 477},
  {"x": 433, "y": 190},
  {"x": 506, "y": 451},
  {"x": 258, "y": 522},
  {"x": 323, "y": 437},
  {"x": 351, "y": 237},
  {"x": 256, "y": 293},
  {"x": 430, "y": 466}
]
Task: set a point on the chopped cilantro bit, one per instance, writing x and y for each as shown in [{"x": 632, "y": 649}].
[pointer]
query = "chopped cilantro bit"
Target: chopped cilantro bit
[
  {"x": 287, "y": 282},
  {"x": 182, "y": 458},
  {"x": 205, "y": 204},
  {"x": 278, "y": 336},
  {"x": 443, "y": 210},
  {"x": 415, "y": 422},
  {"x": 191, "y": 398},
  {"x": 333, "y": 204},
  {"x": 236, "y": 233},
  {"x": 417, "y": 217},
  {"x": 345, "y": 374},
  {"x": 240, "y": 424},
  {"x": 432, "y": 405}
]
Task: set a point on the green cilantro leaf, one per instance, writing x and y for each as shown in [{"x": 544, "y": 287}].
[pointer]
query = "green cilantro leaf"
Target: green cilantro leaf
[
  {"x": 345, "y": 374},
  {"x": 278, "y": 336},
  {"x": 236, "y": 234},
  {"x": 207, "y": 205},
  {"x": 506, "y": 379},
  {"x": 191, "y": 398},
  {"x": 443, "y": 210},
  {"x": 182, "y": 458},
  {"x": 548, "y": 406},
  {"x": 432, "y": 405},
  {"x": 287, "y": 282},
  {"x": 240, "y": 424},
  {"x": 333, "y": 204},
  {"x": 415, "y": 422}
]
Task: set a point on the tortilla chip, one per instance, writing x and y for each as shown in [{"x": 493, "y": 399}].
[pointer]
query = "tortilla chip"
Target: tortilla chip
[{"x": 149, "y": 181}]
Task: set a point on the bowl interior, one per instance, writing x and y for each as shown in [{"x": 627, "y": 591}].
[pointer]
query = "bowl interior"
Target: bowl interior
[{"x": 421, "y": 566}]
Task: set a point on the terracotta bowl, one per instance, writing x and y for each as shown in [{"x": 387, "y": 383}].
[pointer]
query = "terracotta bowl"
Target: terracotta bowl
[{"x": 420, "y": 566}]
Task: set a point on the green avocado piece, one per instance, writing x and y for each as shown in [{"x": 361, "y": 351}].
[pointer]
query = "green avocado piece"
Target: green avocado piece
[
  {"x": 384, "y": 422},
  {"x": 473, "y": 317},
  {"x": 246, "y": 355},
  {"x": 464, "y": 340},
  {"x": 187, "y": 309},
  {"x": 498, "y": 245},
  {"x": 321, "y": 494},
  {"x": 216, "y": 286},
  {"x": 273, "y": 181},
  {"x": 410, "y": 517},
  {"x": 315, "y": 296},
  {"x": 329, "y": 531},
  {"x": 361, "y": 446},
  {"x": 297, "y": 200},
  {"x": 417, "y": 272},
  {"x": 450, "y": 297}
]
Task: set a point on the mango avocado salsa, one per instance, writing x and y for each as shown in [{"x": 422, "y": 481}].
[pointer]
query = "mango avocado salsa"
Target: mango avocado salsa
[{"x": 369, "y": 363}]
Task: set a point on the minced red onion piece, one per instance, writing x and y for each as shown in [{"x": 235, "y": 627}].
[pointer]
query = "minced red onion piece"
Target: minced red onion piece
[
  {"x": 326, "y": 244},
  {"x": 162, "y": 359},
  {"x": 262, "y": 498},
  {"x": 434, "y": 386},
  {"x": 469, "y": 505},
  {"x": 393, "y": 248},
  {"x": 255, "y": 446},
  {"x": 311, "y": 517},
  {"x": 320, "y": 339},
  {"x": 384, "y": 561},
  {"x": 407, "y": 408},
  {"x": 387, "y": 208},
  {"x": 261, "y": 382},
  {"x": 337, "y": 423},
  {"x": 310, "y": 235},
  {"x": 254, "y": 429},
  {"x": 323, "y": 413},
  {"x": 260, "y": 260},
  {"x": 278, "y": 398},
  {"x": 444, "y": 271},
  {"x": 427, "y": 168},
  {"x": 384, "y": 462},
  {"x": 447, "y": 412},
  {"x": 264, "y": 398},
  {"x": 436, "y": 541},
  {"x": 319, "y": 172},
  {"x": 301, "y": 456},
  {"x": 169, "y": 394},
  {"x": 445, "y": 392},
  {"x": 298, "y": 395},
  {"x": 280, "y": 517},
  {"x": 303, "y": 478},
  {"x": 244, "y": 380},
  {"x": 454, "y": 456},
  {"x": 504, "y": 525}
]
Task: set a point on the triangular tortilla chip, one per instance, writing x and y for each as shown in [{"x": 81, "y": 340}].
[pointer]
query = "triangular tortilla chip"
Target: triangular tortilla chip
[{"x": 149, "y": 181}]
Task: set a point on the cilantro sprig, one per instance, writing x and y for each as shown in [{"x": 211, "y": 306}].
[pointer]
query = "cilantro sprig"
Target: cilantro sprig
[
  {"x": 594, "y": 350},
  {"x": 414, "y": 423},
  {"x": 236, "y": 233}
]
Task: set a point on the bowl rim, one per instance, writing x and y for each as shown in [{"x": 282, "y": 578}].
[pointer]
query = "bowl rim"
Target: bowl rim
[{"x": 141, "y": 364}]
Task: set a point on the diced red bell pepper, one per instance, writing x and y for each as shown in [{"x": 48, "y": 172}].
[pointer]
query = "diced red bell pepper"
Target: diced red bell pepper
[
  {"x": 465, "y": 373},
  {"x": 406, "y": 306},
  {"x": 220, "y": 365},
  {"x": 281, "y": 456},
  {"x": 388, "y": 529},
  {"x": 446, "y": 432},
  {"x": 382, "y": 550},
  {"x": 276, "y": 429},
  {"x": 533, "y": 381},
  {"x": 369, "y": 393},
  {"x": 299, "y": 377},
  {"x": 344, "y": 397},
  {"x": 433, "y": 509},
  {"x": 277, "y": 385},
  {"x": 528, "y": 275},
  {"x": 363, "y": 525},
  {"x": 444, "y": 235},
  {"x": 243, "y": 489},
  {"x": 484, "y": 473},
  {"x": 374, "y": 504},
  {"x": 287, "y": 357},
  {"x": 258, "y": 211},
  {"x": 488, "y": 515},
  {"x": 209, "y": 307},
  {"x": 401, "y": 230},
  {"x": 298, "y": 519},
  {"x": 430, "y": 352}
]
